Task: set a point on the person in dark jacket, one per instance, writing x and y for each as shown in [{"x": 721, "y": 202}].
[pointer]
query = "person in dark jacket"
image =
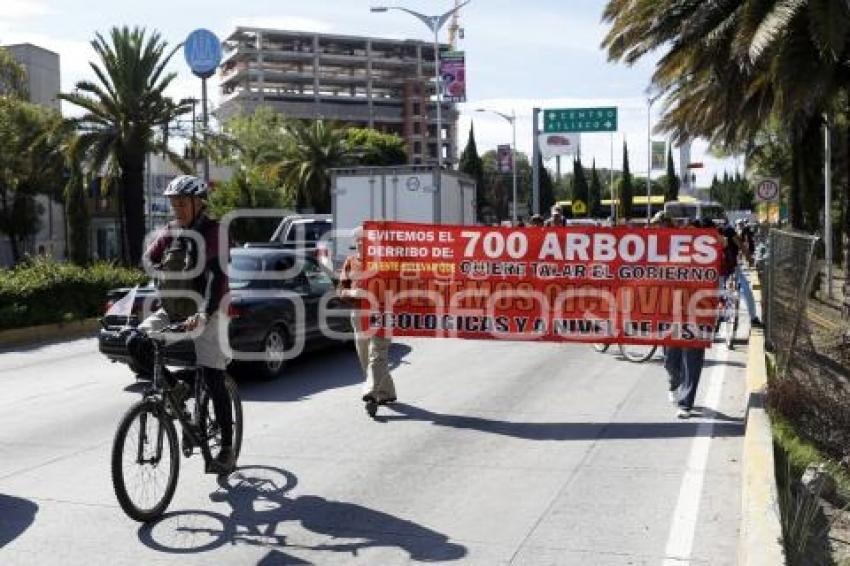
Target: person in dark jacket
[{"x": 191, "y": 283}]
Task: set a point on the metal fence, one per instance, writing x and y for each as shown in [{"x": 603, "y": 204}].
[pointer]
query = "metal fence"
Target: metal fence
[
  {"x": 790, "y": 271},
  {"x": 812, "y": 385}
]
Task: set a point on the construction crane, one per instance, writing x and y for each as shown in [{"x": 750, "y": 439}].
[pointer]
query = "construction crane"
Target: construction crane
[{"x": 455, "y": 31}]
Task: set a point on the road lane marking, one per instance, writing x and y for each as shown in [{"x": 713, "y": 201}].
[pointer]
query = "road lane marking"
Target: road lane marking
[{"x": 680, "y": 541}]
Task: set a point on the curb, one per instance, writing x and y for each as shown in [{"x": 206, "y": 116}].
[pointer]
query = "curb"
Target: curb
[
  {"x": 760, "y": 541},
  {"x": 48, "y": 332}
]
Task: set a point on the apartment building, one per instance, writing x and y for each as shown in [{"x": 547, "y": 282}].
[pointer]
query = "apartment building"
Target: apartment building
[{"x": 380, "y": 83}]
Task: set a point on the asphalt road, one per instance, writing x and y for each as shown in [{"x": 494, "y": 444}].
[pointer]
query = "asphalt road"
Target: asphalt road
[{"x": 498, "y": 453}]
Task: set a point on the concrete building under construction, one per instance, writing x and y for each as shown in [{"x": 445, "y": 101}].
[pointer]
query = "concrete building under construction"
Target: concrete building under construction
[{"x": 380, "y": 83}]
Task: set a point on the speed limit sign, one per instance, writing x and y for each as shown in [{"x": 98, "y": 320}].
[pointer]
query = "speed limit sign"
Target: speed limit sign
[{"x": 767, "y": 189}]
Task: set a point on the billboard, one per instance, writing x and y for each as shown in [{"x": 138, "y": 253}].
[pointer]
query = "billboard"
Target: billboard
[
  {"x": 504, "y": 158},
  {"x": 558, "y": 144},
  {"x": 453, "y": 76}
]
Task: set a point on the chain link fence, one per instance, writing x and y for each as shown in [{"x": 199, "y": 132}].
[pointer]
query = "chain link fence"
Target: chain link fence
[{"x": 812, "y": 385}]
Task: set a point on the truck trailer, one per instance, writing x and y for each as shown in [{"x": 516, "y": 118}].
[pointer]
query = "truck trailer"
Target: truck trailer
[{"x": 407, "y": 193}]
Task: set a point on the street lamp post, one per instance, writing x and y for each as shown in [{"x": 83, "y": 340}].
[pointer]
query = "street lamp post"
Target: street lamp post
[
  {"x": 434, "y": 23},
  {"x": 649, "y": 101},
  {"x": 512, "y": 119}
]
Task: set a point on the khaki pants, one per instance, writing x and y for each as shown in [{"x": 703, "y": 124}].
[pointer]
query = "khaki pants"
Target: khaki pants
[
  {"x": 208, "y": 349},
  {"x": 373, "y": 353}
]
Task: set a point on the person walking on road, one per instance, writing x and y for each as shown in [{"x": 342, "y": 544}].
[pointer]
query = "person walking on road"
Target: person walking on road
[
  {"x": 733, "y": 247},
  {"x": 684, "y": 368},
  {"x": 372, "y": 350}
]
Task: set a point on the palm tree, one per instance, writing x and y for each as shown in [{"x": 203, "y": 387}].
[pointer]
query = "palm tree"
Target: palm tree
[
  {"x": 122, "y": 113},
  {"x": 316, "y": 147},
  {"x": 730, "y": 66}
]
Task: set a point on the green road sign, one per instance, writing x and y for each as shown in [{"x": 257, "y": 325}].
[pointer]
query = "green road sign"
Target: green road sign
[{"x": 580, "y": 120}]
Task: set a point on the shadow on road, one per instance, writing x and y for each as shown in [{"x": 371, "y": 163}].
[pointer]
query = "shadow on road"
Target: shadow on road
[
  {"x": 260, "y": 507},
  {"x": 16, "y": 516},
  {"x": 568, "y": 431},
  {"x": 313, "y": 372}
]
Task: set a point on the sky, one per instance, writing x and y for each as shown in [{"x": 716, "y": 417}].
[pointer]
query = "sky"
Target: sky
[{"x": 520, "y": 55}]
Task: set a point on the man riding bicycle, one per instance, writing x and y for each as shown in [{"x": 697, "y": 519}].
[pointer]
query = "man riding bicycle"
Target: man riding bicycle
[{"x": 186, "y": 254}]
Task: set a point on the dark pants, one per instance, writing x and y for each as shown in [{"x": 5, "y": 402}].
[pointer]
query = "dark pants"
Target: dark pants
[
  {"x": 684, "y": 366},
  {"x": 221, "y": 403}
]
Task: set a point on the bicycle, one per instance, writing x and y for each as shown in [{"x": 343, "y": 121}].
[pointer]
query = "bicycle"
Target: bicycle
[
  {"x": 636, "y": 353},
  {"x": 156, "y": 448}
]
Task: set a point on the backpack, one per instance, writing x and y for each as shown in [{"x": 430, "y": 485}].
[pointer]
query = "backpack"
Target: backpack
[
  {"x": 178, "y": 258},
  {"x": 729, "y": 259}
]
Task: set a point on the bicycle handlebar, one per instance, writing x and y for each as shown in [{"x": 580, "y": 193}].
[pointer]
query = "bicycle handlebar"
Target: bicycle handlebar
[{"x": 177, "y": 327}]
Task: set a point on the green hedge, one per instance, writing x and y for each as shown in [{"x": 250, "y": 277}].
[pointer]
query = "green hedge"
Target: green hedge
[{"x": 44, "y": 291}]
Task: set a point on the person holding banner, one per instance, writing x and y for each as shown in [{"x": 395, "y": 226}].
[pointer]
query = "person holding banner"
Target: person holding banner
[
  {"x": 372, "y": 350},
  {"x": 683, "y": 365}
]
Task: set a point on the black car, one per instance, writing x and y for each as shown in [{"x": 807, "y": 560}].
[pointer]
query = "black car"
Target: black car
[{"x": 282, "y": 303}]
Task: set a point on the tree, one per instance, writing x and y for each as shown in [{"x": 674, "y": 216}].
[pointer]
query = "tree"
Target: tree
[
  {"x": 372, "y": 147},
  {"x": 471, "y": 164},
  {"x": 123, "y": 109},
  {"x": 250, "y": 189},
  {"x": 731, "y": 67},
  {"x": 626, "y": 189},
  {"x": 580, "y": 189},
  {"x": 25, "y": 169},
  {"x": 547, "y": 186},
  {"x": 249, "y": 142},
  {"x": 315, "y": 148},
  {"x": 13, "y": 76},
  {"x": 594, "y": 193},
  {"x": 78, "y": 217},
  {"x": 671, "y": 181}
]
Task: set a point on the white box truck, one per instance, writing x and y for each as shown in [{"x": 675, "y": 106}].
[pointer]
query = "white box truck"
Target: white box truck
[{"x": 406, "y": 193}]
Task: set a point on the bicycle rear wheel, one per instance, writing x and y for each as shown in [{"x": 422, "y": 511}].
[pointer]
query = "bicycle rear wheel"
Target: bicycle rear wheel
[
  {"x": 145, "y": 461},
  {"x": 212, "y": 428},
  {"x": 637, "y": 353}
]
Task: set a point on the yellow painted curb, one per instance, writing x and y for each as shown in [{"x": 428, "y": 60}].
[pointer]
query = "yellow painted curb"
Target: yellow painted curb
[
  {"x": 760, "y": 542},
  {"x": 48, "y": 332}
]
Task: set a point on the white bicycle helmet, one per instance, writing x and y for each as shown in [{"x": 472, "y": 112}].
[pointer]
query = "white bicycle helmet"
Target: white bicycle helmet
[{"x": 186, "y": 185}]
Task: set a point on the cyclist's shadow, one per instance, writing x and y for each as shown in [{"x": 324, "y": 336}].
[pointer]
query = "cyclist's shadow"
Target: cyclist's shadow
[{"x": 258, "y": 498}]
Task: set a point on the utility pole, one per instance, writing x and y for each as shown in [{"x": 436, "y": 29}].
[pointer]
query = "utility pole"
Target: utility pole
[
  {"x": 827, "y": 208},
  {"x": 535, "y": 157}
]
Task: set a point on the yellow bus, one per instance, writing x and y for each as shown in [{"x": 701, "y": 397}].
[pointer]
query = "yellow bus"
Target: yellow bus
[{"x": 603, "y": 210}]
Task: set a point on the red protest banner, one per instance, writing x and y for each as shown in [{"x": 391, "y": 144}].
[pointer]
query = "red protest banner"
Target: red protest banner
[{"x": 578, "y": 283}]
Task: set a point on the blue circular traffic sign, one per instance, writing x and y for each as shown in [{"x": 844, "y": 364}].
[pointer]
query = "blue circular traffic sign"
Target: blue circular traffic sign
[{"x": 203, "y": 52}]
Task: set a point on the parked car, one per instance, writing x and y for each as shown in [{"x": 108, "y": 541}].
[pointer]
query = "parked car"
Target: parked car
[
  {"x": 266, "y": 286},
  {"x": 307, "y": 233}
]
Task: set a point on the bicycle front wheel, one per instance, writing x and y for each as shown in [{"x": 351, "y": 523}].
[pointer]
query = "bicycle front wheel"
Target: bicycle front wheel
[
  {"x": 145, "y": 461},
  {"x": 637, "y": 353}
]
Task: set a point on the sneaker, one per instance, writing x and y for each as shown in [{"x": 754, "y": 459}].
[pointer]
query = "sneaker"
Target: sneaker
[
  {"x": 756, "y": 323},
  {"x": 683, "y": 413},
  {"x": 225, "y": 461},
  {"x": 672, "y": 397}
]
